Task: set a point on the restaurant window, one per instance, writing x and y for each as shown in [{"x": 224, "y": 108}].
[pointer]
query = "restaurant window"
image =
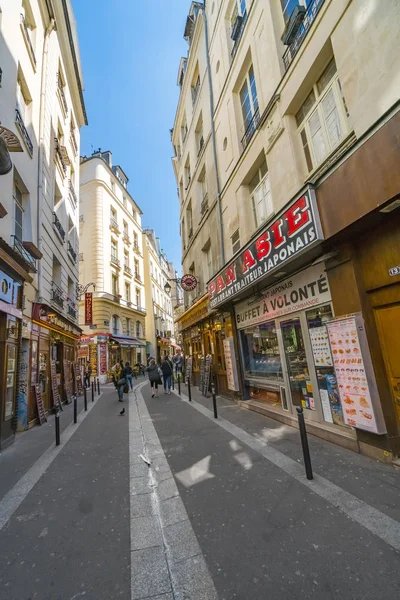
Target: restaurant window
[
  {"x": 323, "y": 119},
  {"x": 261, "y": 352},
  {"x": 260, "y": 193}
]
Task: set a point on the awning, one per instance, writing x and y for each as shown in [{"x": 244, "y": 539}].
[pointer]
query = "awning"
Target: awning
[
  {"x": 127, "y": 342},
  {"x": 164, "y": 340},
  {"x": 176, "y": 346}
]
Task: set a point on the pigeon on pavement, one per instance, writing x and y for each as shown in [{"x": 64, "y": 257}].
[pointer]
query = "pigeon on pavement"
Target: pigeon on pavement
[{"x": 122, "y": 411}]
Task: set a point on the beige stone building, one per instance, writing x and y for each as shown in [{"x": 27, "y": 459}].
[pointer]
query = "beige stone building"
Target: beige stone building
[
  {"x": 111, "y": 261},
  {"x": 287, "y": 173}
]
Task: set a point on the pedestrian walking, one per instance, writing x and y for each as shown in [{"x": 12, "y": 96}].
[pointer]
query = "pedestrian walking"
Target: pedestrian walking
[
  {"x": 121, "y": 382},
  {"x": 167, "y": 371},
  {"x": 88, "y": 373},
  {"x": 154, "y": 373},
  {"x": 116, "y": 370},
  {"x": 129, "y": 373}
]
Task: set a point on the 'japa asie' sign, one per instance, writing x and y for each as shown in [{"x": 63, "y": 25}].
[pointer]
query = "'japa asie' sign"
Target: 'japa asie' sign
[{"x": 297, "y": 229}]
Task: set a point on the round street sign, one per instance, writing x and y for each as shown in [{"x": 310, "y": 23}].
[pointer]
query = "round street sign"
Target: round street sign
[{"x": 188, "y": 282}]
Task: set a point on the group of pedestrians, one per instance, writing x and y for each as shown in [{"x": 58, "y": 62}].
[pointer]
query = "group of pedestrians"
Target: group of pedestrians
[
  {"x": 163, "y": 373},
  {"x": 122, "y": 379}
]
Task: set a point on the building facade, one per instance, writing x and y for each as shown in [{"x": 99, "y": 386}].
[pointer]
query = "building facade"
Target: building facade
[
  {"x": 306, "y": 268},
  {"x": 111, "y": 262},
  {"x": 41, "y": 112},
  {"x": 159, "y": 320}
]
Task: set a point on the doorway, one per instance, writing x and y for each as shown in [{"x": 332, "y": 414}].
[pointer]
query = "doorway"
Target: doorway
[{"x": 388, "y": 319}]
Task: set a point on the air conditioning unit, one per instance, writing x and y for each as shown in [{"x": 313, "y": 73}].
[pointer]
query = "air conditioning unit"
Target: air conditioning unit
[
  {"x": 293, "y": 25},
  {"x": 236, "y": 29}
]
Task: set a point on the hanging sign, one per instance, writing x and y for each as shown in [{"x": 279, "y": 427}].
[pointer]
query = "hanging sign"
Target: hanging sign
[
  {"x": 40, "y": 405},
  {"x": 292, "y": 233},
  {"x": 88, "y": 308},
  {"x": 188, "y": 282}
]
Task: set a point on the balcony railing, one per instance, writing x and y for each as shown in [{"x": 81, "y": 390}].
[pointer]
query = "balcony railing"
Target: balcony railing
[
  {"x": 27, "y": 37},
  {"x": 24, "y": 254},
  {"x": 126, "y": 238},
  {"x": 204, "y": 204},
  {"x": 57, "y": 295},
  {"x": 127, "y": 269},
  {"x": 251, "y": 128},
  {"x": 114, "y": 225},
  {"x": 73, "y": 192},
  {"x": 71, "y": 311},
  {"x": 60, "y": 156},
  {"x": 237, "y": 32},
  {"x": 23, "y": 131},
  {"x": 309, "y": 17},
  {"x": 115, "y": 261},
  {"x": 136, "y": 247},
  {"x": 137, "y": 276},
  {"x": 60, "y": 89},
  {"x": 58, "y": 226},
  {"x": 72, "y": 252},
  {"x": 73, "y": 141},
  {"x": 117, "y": 298}
]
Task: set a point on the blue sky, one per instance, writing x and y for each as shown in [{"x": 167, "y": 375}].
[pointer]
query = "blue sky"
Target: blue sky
[{"x": 130, "y": 51}]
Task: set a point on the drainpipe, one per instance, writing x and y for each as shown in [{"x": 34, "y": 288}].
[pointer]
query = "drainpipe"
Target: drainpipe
[
  {"x": 43, "y": 83},
  {"x": 214, "y": 143}
]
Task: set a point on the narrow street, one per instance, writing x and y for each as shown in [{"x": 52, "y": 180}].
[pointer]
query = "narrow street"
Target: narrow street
[{"x": 223, "y": 511}]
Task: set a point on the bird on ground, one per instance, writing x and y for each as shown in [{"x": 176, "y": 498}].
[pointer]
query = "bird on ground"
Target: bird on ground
[{"x": 122, "y": 411}]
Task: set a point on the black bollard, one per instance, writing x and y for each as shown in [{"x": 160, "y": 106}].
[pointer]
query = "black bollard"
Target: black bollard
[
  {"x": 57, "y": 428},
  {"x": 173, "y": 381},
  {"x": 75, "y": 409},
  {"x": 85, "y": 397},
  {"x": 304, "y": 442},
  {"x": 189, "y": 390},
  {"x": 214, "y": 399},
  {"x": 179, "y": 383},
  {"x": 92, "y": 391},
  {"x": 98, "y": 386}
]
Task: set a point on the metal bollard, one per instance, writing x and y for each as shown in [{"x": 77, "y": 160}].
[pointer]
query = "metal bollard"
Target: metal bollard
[
  {"x": 214, "y": 399},
  {"x": 85, "y": 397},
  {"x": 75, "y": 409},
  {"x": 189, "y": 390},
  {"x": 98, "y": 386},
  {"x": 179, "y": 383},
  {"x": 173, "y": 381},
  {"x": 304, "y": 442},
  {"x": 58, "y": 428},
  {"x": 92, "y": 391}
]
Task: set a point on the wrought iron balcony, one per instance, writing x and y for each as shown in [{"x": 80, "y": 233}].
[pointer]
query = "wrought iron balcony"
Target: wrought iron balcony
[
  {"x": 72, "y": 252},
  {"x": 137, "y": 276},
  {"x": 307, "y": 20},
  {"x": 73, "y": 192},
  {"x": 71, "y": 311},
  {"x": 127, "y": 269},
  {"x": 237, "y": 32},
  {"x": 115, "y": 261},
  {"x": 60, "y": 89},
  {"x": 23, "y": 131},
  {"x": 27, "y": 38},
  {"x": 126, "y": 238},
  {"x": 204, "y": 204},
  {"x": 57, "y": 295},
  {"x": 251, "y": 128},
  {"x": 57, "y": 225},
  {"x": 114, "y": 225},
  {"x": 117, "y": 298},
  {"x": 136, "y": 247},
  {"x": 60, "y": 156},
  {"x": 24, "y": 254}
]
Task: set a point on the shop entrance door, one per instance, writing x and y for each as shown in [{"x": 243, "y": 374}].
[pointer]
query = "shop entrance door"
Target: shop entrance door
[
  {"x": 388, "y": 319},
  {"x": 299, "y": 375},
  {"x": 44, "y": 378}
]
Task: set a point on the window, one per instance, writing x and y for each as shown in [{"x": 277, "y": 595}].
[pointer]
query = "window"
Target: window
[
  {"x": 195, "y": 87},
  {"x": 125, "y": 226},
  {"x": 135, "y": 240},
  {"x": 126, "y": 258},
  {"x": 115, "y": 324},
  {"x": 187, "y": 173},
  {"x": 261, "y": 352},
  {"x": 128, "y": 326},
  {"x": 114, "y": 252},
  {"x": 260, "y": 193},
  {"x": 323, "y": 118},
  {"x": 113, "y": 187},
  {"x": 138, "y": 329},
  {"x": 19, "y": 211},
  {"x": 183, "y": 236},
  {"x": 249, "y": 106},
  {"x": 238, "y": 20},
  {"x": 24, "y": 97},
  {"x": 184, "y": 130},
  {"x": 113, "y": 215},
  {"x": 127, "y": 292},
  {"x": 181, "y": 190},
  {"x": 137, "y": 270},
  {"x": 137, "y": 297},
  {"x": 199, "y": 135},
  {"x": 288, "y": 7},
  {"x": 124, "y": 201},
  {"x": 114, "y": 284},
  {"x": 28, "y": 28},
  {"x": 208, "y": 261},
  {"x": 189, "y": 220},
  {"x": 235, "y": 241}
]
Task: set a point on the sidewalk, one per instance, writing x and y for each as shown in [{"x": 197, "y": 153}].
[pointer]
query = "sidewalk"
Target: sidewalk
[{"x": 264, "y": 531}]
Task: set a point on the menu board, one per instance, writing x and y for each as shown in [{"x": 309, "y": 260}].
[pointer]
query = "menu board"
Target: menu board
[
  {"x": 189, "y": 368},
  {"x": 103, "y": 358},
  {"x": 201, "y": 383},
  {"x": 40, "y": 405},
  {"x": 54, "y": 386},
  {"x": 207, "y": 373},
  {"x": 354, "y": 374},
  {"x": 68, "y": 381},
  {"x": 230, "y": 362},
  {"x": 78, "y": 380},
  {"x": 320, "y": 347}
]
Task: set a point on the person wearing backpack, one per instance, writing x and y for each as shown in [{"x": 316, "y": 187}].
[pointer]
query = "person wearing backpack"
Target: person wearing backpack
[
  {"x": 154, "y": 373},
  {"x": 128, "y": 373},
  {"x": 167, "y": 370}
]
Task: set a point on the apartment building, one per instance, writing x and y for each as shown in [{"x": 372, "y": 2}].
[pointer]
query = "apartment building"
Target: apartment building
[
  {"x": 111, "y": 268},
  {"x": 159, "y": 320},
  {"x": 41, "y": 113},
  {"x": 306, "y": 186}
]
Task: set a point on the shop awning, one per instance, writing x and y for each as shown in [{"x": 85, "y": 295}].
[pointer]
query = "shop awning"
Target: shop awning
[
  {"x": 176, "y": 346},
  {"x": 127, "y": 342},
  {"x": 164, "y": 340}
]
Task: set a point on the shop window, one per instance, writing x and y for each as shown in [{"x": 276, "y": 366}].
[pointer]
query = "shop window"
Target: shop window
[
  {"x": 261, "y": 352},
  {"x": 260, "y": 194},
  {"x": 323, "y": 119},
  {"x": 235, "y": 242}
]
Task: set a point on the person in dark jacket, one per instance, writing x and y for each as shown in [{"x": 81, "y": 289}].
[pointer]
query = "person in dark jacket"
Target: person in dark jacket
[
  {"x": 154, "y": 377},
  {"x": 167, "y": 370},
  {"x": 88, "y": 373},
  {"x": 121, "y": 382},
  {"x": 129, "y": 373}
]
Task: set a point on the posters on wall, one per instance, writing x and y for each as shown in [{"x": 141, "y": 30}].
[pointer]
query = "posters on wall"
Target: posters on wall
[
  {"x": 54, "y": 386},
  {"x": 103, "y": 358},
  {"x": 230, "y": 363},
  {"x": 320, "y": 347},
  {"x": 39, "y": 404},
  {"x": 189, "y": 364},
  {"x": 354, "y": 374}
]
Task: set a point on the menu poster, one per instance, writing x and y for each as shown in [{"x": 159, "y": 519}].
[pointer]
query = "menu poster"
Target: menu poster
[
  {"x": 39, "y": 404},
  {"x": 103, "y": 358},
  {"x": 230, "y": 362},
  {"x": 189, "y": 368},
  {"x": 326, "y": 408},
  {"x": 78, "y": 380},
  {"x": 207, "y": 373},
  {"x": 354, "y": 374},
  {"x": 54, "y": 386},
  {"x": 201, "y": 383},
  {"x": 320, "y": 347},
  {"x": 67, "y": 381}
]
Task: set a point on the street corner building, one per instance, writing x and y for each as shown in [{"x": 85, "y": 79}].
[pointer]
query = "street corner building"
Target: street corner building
[
  {"x": 41, "y": 113},
  {"x": 286, "y": 153}
]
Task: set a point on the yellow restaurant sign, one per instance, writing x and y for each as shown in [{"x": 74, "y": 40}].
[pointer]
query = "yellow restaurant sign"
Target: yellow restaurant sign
[{"x": 196, "y": 313}]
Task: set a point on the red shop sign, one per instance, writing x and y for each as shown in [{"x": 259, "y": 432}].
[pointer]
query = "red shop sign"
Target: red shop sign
[
  {"x": 103, "y": 358},
  {"x": 296, "y": 230},
  {"x": 88, "y": 308}
]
